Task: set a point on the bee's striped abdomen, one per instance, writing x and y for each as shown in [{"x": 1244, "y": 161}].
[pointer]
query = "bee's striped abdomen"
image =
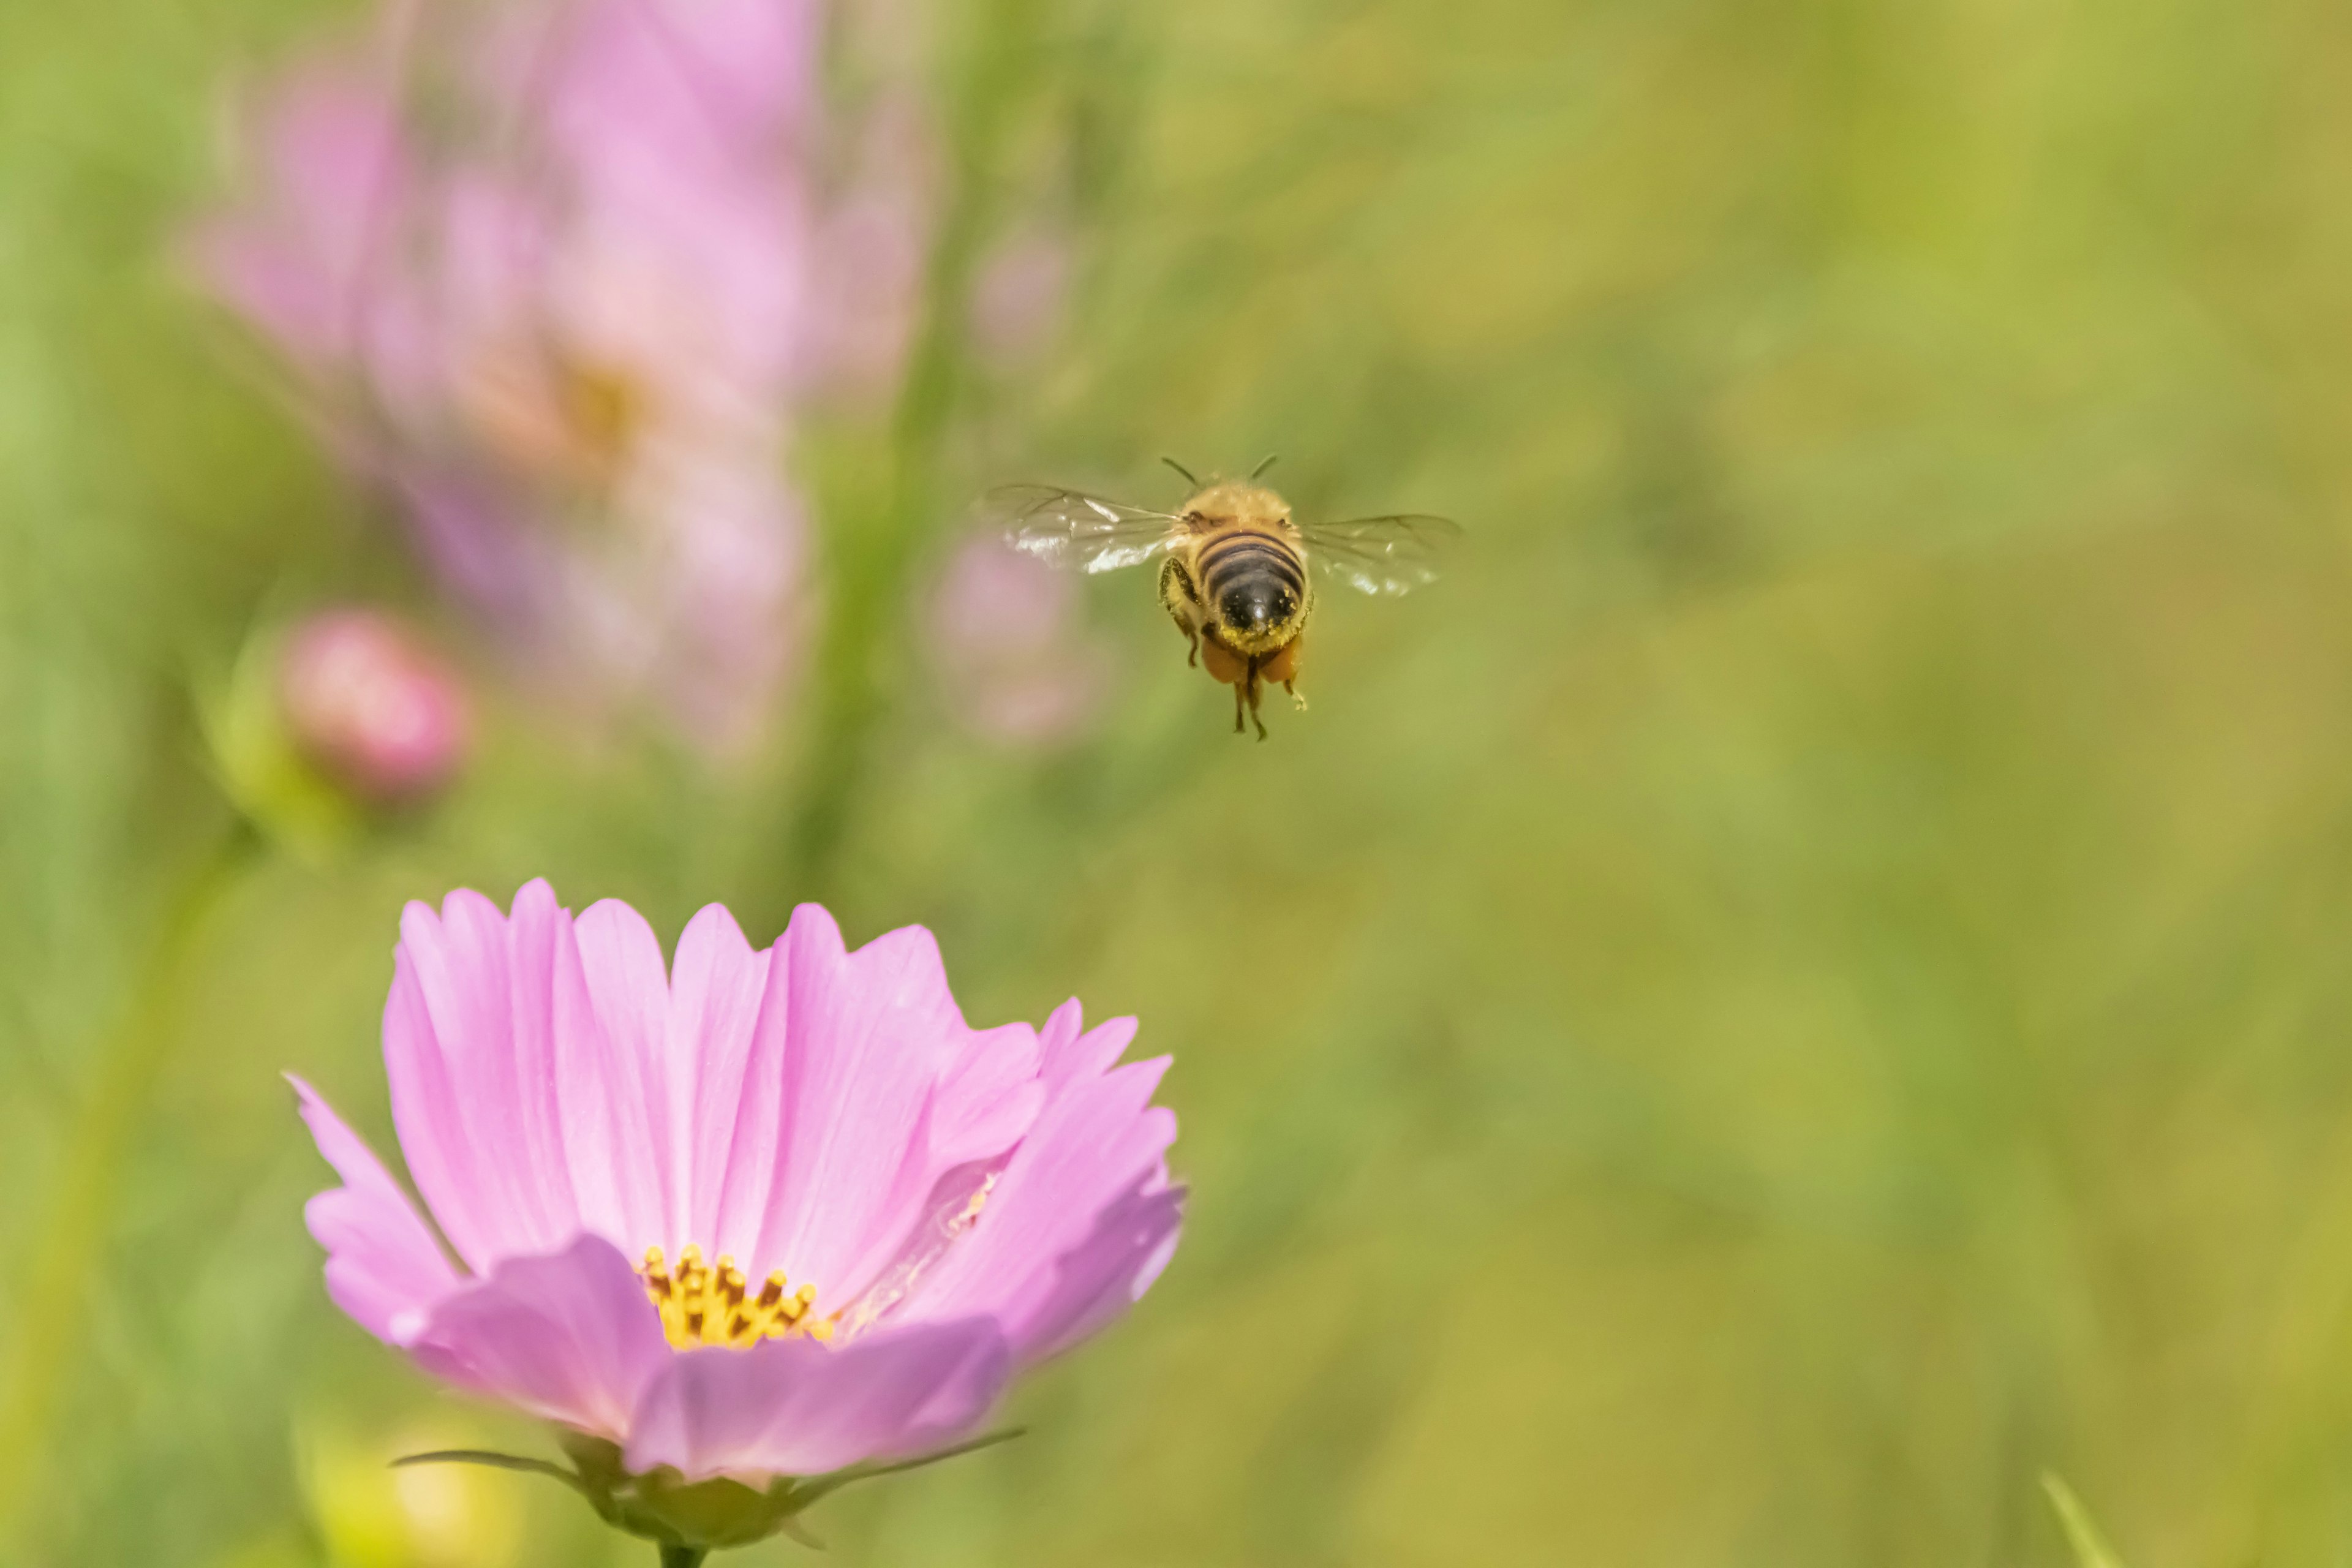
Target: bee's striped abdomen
[
  {"x": 1244, "y": 550},
  {"x": 1254, "y": 582}
]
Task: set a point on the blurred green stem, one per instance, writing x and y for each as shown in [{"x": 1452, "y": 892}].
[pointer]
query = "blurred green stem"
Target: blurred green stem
[
  {"x": 52, "y": 1308},
  {"x": 872, "y": 551},
  {"x": 683, "y": 1556}
]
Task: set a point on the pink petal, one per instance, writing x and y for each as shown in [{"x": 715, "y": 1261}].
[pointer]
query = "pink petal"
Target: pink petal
[
  {"x": 991, "y": 1096},
  {"x": 796, "y": 1407},
  {"x": 1072, "y": 1052},
  {"x": 568, "y": 1336},
  {"x": 383, "y": 1268},
  {"x": 339, "y": 163},
  {"x": 469, "y": 1048},
  {"x": 864, "y": 1089},
  {"x": 697, "y": 79},
  {"x": 1108, "y": 1273},
  {"x": 493, "y": 259},
  {"x": 844, "y": 1059},
  {"x": 715, "y": 1001},
  {"x": 612, "y": 1000},
  {"x": 989, "y": 1099},
  {"x": 1064, "y": 1228},
  {"x": 336, "y": 172}
]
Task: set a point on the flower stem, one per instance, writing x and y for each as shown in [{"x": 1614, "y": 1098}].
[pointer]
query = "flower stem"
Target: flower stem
[
  {"x": 52, "y": 1310},
  {"x": 684, "y": 1557},
  {"x": 871, "y": 556}
]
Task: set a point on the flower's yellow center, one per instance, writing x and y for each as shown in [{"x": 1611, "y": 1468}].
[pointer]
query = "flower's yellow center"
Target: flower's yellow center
[
  {"x": 604, "y": 408},
  {"x": 713, "y": 1304},
  {"x": 556, "y": 415}
]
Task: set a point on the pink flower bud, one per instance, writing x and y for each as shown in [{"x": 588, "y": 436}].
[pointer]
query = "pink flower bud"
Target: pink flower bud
[{"x": 372, "y": 707}]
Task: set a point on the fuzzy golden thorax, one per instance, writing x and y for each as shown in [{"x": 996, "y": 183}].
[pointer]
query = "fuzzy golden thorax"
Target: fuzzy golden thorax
[{"x": 1237, "y": 503}]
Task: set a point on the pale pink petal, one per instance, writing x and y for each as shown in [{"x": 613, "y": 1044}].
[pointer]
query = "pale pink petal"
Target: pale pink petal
[
  {"x": 703, "y": 80},
  {"x": 470, "y": 535},
  {"x": 424, "y": 1110},
  {"x": 990, "y": 1097},
  {"x": 470, "y": 1046},
  {"x": 1072, "y": 1052},
  {"x": 568, "y": 1336},
  {"x": 538, "y": 942},
  {"x": 611, "y": 1002},
  {"x": 336, "y": 180},
  {"x": 629, "y": 990},
  {"x": 847, "y": 1052},
  {"x": 795, "y": 1407},
  {"x": 1107, "y": 1273},
  {"x": 339, "y": 161},
  {"x": 715, "y": 1004},
  {"x": 494, "y": 254},
  {"x": 1098, "y": 1143},
  {"x": 383, "y": 1268}
]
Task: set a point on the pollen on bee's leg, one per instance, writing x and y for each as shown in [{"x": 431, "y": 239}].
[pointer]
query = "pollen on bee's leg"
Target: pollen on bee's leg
[{"x": 715, "y": 1304}]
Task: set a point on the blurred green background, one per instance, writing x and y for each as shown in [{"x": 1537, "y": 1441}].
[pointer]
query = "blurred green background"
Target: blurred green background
[{"x": 1804, "y": 984}]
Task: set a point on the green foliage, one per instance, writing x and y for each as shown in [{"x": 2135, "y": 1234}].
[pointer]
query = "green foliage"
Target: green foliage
[
  {"x": 1800, "y": 988},
  {"x": 2091, "y": 1549}
]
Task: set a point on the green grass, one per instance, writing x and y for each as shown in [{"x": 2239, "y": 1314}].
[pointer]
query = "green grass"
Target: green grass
[{"x": 1803, "y": 987}]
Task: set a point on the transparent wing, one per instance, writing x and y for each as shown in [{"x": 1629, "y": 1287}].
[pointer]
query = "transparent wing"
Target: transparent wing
[
  {"x": 1073, "y": 529},
  {"x": 1382, "y": 554}
]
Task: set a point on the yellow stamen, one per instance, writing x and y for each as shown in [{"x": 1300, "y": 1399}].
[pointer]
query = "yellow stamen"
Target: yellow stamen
[
  {"x": 604, "y": 409},
  {"x": 713, "y": 1304}
]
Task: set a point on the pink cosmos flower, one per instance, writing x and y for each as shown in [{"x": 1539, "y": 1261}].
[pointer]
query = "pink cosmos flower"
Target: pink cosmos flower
[
  {"x": 552, "y": 275},
  {"x": 762, "y": 1215}
]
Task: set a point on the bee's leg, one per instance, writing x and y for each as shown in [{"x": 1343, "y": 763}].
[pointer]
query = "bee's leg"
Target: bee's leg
[
  {"x": 1237, "y": 707},
  {"x": 1176, "y": 595},
  {"x": 1296, "y": 700},
  {"x": 1253, "y": 700}
]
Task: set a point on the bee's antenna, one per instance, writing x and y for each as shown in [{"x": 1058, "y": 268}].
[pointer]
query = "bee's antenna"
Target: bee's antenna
[
  {"x": 1262, "y": 467},
  {"x": 1183, "y": 470}
]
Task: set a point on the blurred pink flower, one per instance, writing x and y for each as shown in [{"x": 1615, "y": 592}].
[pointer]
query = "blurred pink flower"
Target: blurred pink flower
[
  {"x": 563, "y": 318},
  {"x": 1018, "y": 297},
  {"x": 1008, "y": 637},
  {"x": 768, "y": 1214},
  {"x": 875, "y": 243},
  {"x": 372, "y": 706}
]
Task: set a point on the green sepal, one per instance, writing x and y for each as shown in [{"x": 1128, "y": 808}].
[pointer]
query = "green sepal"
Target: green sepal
[
  {"x": 663, "y": 1506},
  {"x": 257, "y": 764}
]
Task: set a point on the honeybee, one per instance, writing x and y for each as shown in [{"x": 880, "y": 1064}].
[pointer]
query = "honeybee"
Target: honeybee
[{"x": 1237, "y": 572}]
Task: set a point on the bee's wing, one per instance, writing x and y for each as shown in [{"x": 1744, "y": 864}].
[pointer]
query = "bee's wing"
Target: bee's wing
[
  {"x": 1083, "y": 533},
  {"x": 1382, "y": 554}
]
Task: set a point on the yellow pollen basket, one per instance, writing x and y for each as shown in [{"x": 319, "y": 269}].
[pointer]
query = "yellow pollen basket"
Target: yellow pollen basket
[{"x": 713, "y": 1304}]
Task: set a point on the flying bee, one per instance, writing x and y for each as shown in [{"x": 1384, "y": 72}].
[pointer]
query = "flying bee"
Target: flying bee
[{"x": 1237, "y": 572}]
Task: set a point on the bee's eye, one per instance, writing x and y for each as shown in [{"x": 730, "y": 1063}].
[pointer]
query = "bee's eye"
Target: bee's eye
[{"x": 1194, "y": 518}]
